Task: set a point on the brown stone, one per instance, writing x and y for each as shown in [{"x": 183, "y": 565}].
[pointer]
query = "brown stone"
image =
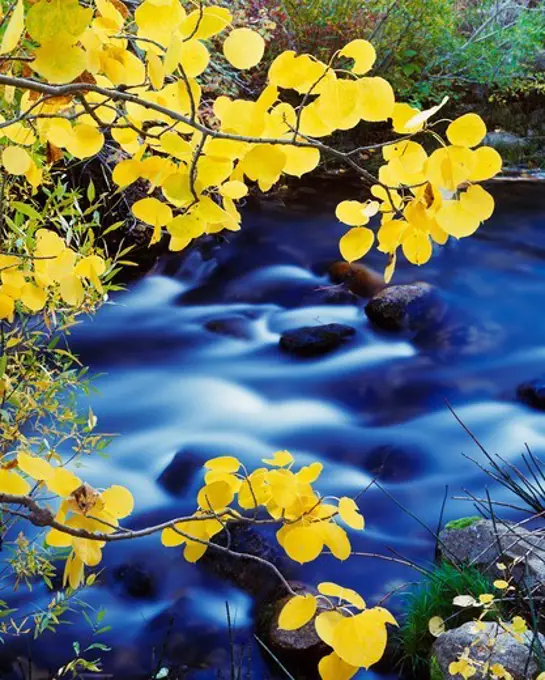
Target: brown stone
[{"x": 358, "y": 278}]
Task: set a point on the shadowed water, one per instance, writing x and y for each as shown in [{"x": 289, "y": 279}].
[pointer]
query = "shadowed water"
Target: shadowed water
[{"x": 377, "y": 405}]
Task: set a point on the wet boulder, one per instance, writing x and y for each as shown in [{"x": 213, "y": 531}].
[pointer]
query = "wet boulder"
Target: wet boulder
[
  {"x": 299, "y": 650},
  {"x": 532, "y": 393},
  {"x": 410, "y": 307},
  {"x": 253, "y": 576},
  {"x": 312, "y": 341},
  {"x": 484, "y": 543},
  {"x": 358, "y": 278},
  {"x": 178, "y": 474},
  {"x": 489, "y": 644}
]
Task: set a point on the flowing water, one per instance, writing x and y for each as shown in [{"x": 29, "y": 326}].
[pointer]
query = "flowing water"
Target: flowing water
[{"x": 171, "y": 385}]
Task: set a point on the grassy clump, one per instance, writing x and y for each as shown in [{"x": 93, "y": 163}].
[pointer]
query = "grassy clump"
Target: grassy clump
[{"x": 433, "y": 597}]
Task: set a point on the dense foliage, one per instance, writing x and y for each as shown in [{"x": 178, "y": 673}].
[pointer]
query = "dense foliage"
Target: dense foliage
[{"x": 137, "y": 88}]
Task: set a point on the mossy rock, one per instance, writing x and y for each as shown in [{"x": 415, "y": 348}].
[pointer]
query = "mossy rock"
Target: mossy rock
[{"x": 463, "y": 522}]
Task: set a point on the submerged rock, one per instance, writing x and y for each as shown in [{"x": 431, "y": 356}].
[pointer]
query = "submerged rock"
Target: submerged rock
[
  {"x": 230, "y": 326},
  {"x": 391, "y": 463},
  {"x": 533, "y": 393},
  {"x": 484, "y": 543},
  {"x": 311, "y": 341},
  {"x": 135, "y": 580},
  {"x": 176, "y": 477},
  {"x": 490, "y": 645},
  {"x": 358, "y": 278},
  {"x": 410, "y": 307}
]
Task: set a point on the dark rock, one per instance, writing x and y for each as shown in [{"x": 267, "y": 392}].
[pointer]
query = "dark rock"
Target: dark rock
[
  {"x": 311, "y": 341},
  {"x": 230, "y": 326},
  {"x": 483, "y": 544},
  {"x": 178, "y": 473},
  {"x": 359, "y": 279},
  {"x": 299, "y": 650},
  {"x": 503, "y": 140},
  {"x": 491, "y": 645},
  {"x": 251, "y": 576},
  {"x": 393, "y": 463},
  {"x": 407, "y": 307},
  {"x": 136, "y": 580},
  {"x": 533, "y": 393}
]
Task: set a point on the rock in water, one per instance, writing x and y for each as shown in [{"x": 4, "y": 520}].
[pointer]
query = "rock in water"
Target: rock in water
[
  {"x": 311, "y": 341},
  {"x": 533, "y": 393},
  {"x": 491, "y": 645},
  {"x": 409, "y": 307},
  {"x": 484, "y": 543},
  {"x": 178, "y": 474},
  {"x": 359, "y": 279},
  {"x": 237, "y": 327}
]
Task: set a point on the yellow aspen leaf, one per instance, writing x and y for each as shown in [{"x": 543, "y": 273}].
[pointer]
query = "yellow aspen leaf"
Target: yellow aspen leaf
[
  {"x": 401, "y": 114},
  {"x": 91, "y": 268},
  {"x": 478, "y": 202},
  {"x": 303, "y": 544},
  {"x": 73, "y": 571},
  {"x": 264, "y": 162},
  {"x": 234, "y": 189},
  {"x": 310, "y": 473},
  {"x": 52, "y": 20},
  {"x": 325, "y": 625},
  {"x": 297, "y": 612},
  {"x": 172, "y": 55},
  {"x": 280, "y": 459},
  {"x": 16, "y": 160},
  {"x": 436, "y": 626},
  {"x": 354, "y": 213},
  {"x": 486, "y": 598},
  {"x": 11, "y": 482},
  {"x": 501, "y": 584},
  {"x": 356, "y": 243},
  {"x": 118, "y": 501},
  {"x": 456, "y": 221},
  {"x": 59, "y": 64},
  {"x": 212, "y": 172},
  {"x": 350, "y": 514},
  {"x": 71, "y": 290},
  {"x": 158, "y": 22},
  {"x": 62, "y": 482},
  {"x": 300, "y": 160},
  {"x": 244, "y": 48},
  {"x": 156, "y": 71},
  {"x": 363, "y": 53},
  {"x": 58, "y": 539},
  {"x": 34, "y": 467},
  {"x": 151, "y": 211},
  {"x": 215, "y": 496},
  {"x": 416, "y": 246},
  {"x": 219, "y": 476},
  {"x": 227, "y": 464},
  {"x": 422, "y": 117},
  {"x": 205, "y": 24},
  {"x": 193, "y": 551},
  {"x": 85, "y": 141},
  {"x": 88, "y": 551},
  {"x": 7, "y": 306},
  {"x": 171, "y": 538},
  {"x": 126, "y": 172},
  {"x": 332, "y": 667},
  {"x": 361, "y": 640},
  {"x": 467, "y": 130},
  {"x": 488, "y": 163},
  {"x": 335, "y": 538},
  {"x": 194, "y": 58},
  {"x": 176, "y": 146},
  {"x": 377, "y": 99},
  {"x": 345, "y": 594},
  {"x": 34, "y": 175},
  {"x": 14, "y": 29},
  {"x": 59, "y": 132}
]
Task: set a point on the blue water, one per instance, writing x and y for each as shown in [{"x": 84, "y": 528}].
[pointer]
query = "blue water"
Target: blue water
[{"x": 171, "y": 385}]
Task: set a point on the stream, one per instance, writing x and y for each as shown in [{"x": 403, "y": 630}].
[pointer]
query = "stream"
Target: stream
[{"x": 173, "y": 380}]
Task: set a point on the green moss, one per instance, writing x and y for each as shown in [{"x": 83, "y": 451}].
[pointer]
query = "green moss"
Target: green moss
[
  {"x": 463, "y": 522},
  {"x": 435, "y": 669},
  {"x": 433, "y": 597}
]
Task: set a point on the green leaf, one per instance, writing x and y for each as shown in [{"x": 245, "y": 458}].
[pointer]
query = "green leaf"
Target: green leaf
[{"x": 26, "y": 209}]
